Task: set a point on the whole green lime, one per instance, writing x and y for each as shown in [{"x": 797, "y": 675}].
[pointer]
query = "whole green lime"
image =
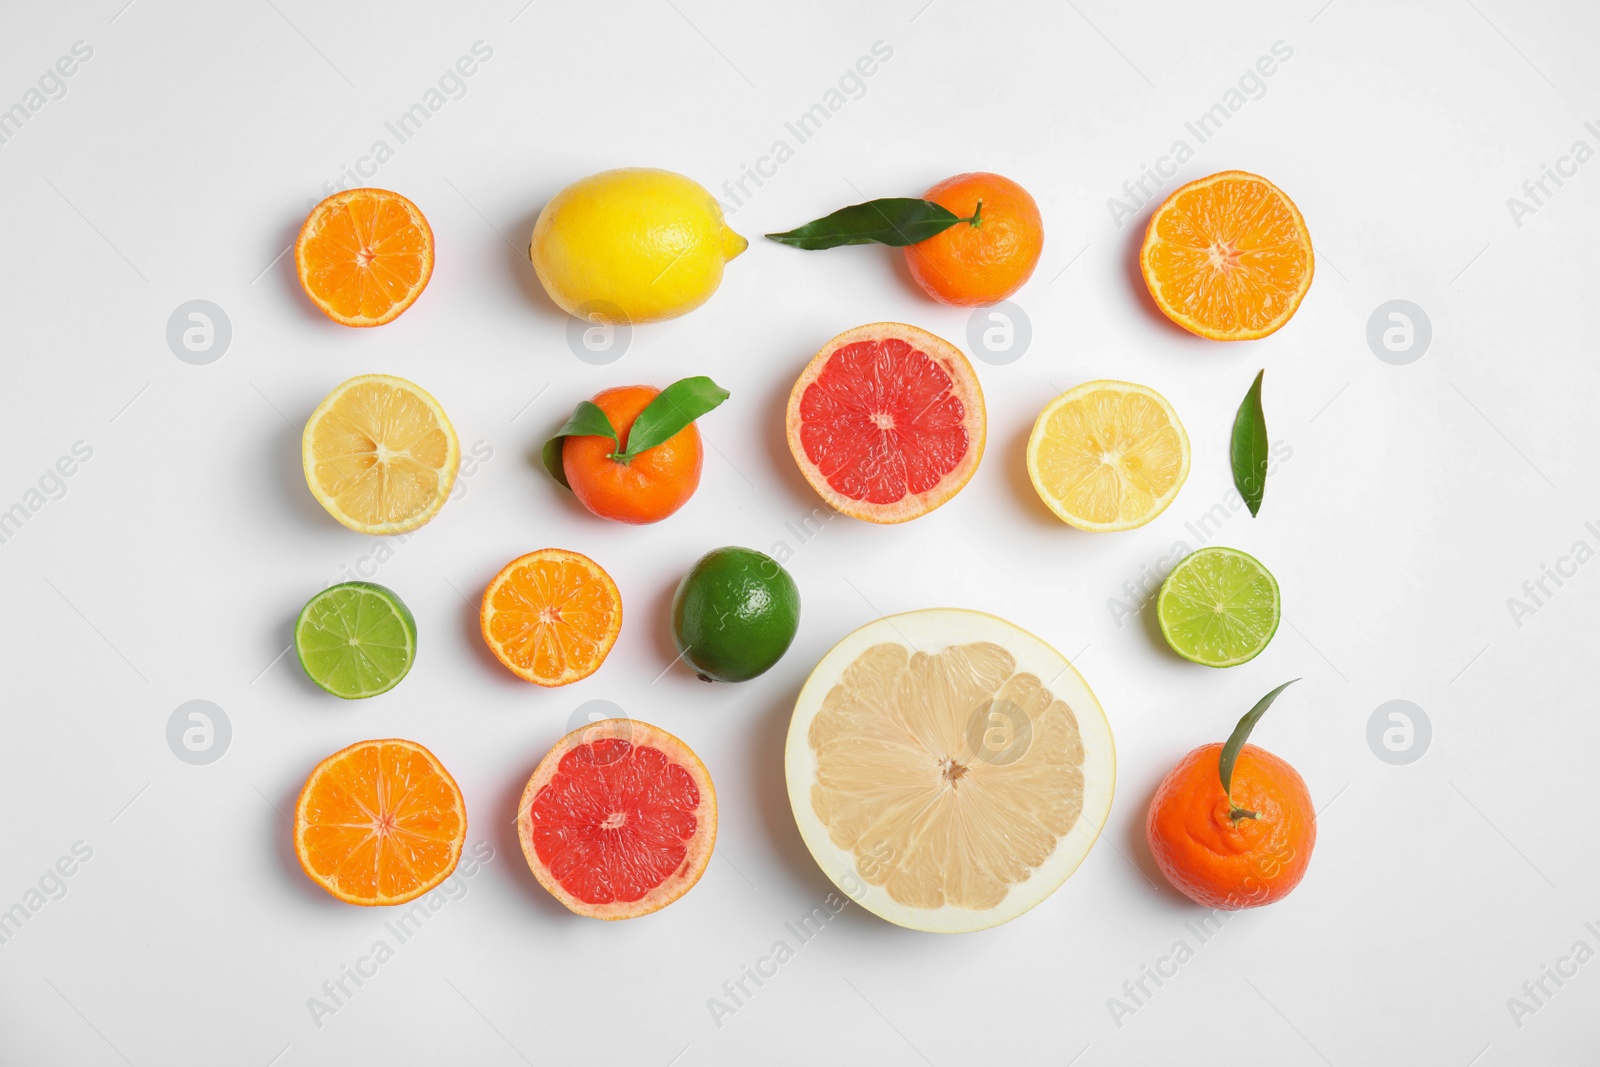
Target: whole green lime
[{"x": 734, "y": 614}]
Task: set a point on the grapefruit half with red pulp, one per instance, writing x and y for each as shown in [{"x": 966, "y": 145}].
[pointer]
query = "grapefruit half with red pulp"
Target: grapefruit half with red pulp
[
  {"x": 618, "y": 819},
  {"x": 887, "y": 422}
]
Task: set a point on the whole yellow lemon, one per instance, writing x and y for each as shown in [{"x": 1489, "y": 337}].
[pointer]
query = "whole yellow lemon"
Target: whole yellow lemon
[{"x": 632, "y": 245}]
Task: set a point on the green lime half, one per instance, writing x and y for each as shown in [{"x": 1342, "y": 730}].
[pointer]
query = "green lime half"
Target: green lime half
[
  {"x": 1219, "y": 607},
  {"x": 356, "y": 640}
]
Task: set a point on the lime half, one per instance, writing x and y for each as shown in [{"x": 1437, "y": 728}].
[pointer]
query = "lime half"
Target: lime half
[
  {"x": 1219, "y": 607},
  {"x": 356, "y": 640}
]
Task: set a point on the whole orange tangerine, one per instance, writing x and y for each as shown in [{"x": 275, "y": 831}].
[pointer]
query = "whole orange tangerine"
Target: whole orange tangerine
[
  {"x": 985, "y": 260},
  {"x": 1217, "y": 856},
  {"x": 644, "y": 489}
]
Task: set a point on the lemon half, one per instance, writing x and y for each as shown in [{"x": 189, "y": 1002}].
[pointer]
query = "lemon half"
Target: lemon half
[
  {"x": 1108, "y": 455},
  {"x": 380, "y": 454}
]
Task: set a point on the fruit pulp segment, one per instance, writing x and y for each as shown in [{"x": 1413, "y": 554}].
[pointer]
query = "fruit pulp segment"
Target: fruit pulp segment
[
  {"x": 367, "y": 255},
  {"x": 354, "y": 641},
  {"x": 948, "y": 776},
  {"x": 552, "y": 615},
  {"x": 380, "y": 453},
  {"x": 882, "y": 421},
  {"x": 615, "y": 821},
  {"x": 1229, "y": 254},
  {"x": 1110, "y": 455},
  {"x": 381, "y": 821}
]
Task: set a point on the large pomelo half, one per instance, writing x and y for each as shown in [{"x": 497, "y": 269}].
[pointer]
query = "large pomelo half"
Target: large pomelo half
[
  {"x": 887, "y": 422},
  {"x": 947, "y": 769},
  {"x": 618, "y": 820}
]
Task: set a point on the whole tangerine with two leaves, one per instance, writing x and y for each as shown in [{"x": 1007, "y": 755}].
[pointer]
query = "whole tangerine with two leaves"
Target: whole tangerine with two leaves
[
  {"x": 1232, "y": 826},
  {"x": 632, "y": 454}
]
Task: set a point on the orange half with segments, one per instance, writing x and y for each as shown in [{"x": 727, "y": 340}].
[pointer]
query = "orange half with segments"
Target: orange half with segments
[
  {"x": 1228, "y": 257},
  {"x": 551, "y": 616},
  {"x": 364, "y": 255},
  {"x": 380, "y": 822}
]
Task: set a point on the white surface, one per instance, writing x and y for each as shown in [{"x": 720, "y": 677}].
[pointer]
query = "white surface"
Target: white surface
[{"x": 1418, "y": 498}]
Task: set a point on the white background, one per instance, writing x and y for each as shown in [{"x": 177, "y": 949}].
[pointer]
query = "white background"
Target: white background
[{"x": 1418, "y": 499}]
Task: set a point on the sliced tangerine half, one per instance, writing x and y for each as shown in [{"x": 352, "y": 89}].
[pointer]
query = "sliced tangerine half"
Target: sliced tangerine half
[
  {"x": 380, "y": 822},
  {"x": 618, "y": 820},
  {"x": 551, "y": 616},
  {"x": 1228, "y": 257},
  {"x": 364, "y": 255},
  {"x": 887, "y": 422}
]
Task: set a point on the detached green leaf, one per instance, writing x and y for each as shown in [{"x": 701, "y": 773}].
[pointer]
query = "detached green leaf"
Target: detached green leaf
[
  {"x": 587, "y": 421},
  {"x": 675, "y": 407},
  {"x": 1236, "y": 740},
  {"x": 1250, "y": 448},
  {"x": 896, "y": 220}
]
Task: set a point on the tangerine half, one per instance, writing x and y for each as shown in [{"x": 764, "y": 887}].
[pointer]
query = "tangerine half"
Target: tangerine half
[
  {"x": 380, "y": 822},
  {"x": 364, "y": 255},
  {"x": 551, "y": 616},
  {"x": 1228, "y": 257}
]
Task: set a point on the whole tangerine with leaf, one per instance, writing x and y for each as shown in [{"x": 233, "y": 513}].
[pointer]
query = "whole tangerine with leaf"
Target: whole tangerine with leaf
[
  {"x": 1232, "y": 826},
  {"x": 632, "y": 454},
  {"x": 972, "y": 240},
  {"x": 988, "y": 258}
]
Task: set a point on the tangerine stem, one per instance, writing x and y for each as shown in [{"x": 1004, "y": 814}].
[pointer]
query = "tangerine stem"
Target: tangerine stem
[{"x": 977, "y": 215}]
